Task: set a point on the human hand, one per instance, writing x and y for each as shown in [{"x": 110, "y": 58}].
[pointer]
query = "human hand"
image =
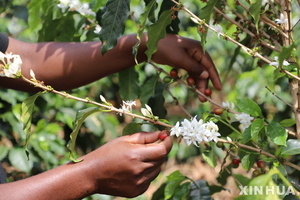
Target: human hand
[
  {"x": 127, "y": 165},
  {"x": 188, "y": 54}
]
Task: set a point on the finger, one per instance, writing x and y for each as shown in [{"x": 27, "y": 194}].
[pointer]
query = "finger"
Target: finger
[
  {"x": 207, "y": 62},
  {"x": 156, "y": 152},
  {"x": 143, "y": 137},
  {"x": 201, "y": 85}
]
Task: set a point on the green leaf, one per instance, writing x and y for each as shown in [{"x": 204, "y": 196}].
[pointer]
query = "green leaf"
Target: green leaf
[
  {"x": 256, "y": 126},
  {"x": 205, "y": 14},
  {"x": 156, "y": 103},
  {"x": 156, "y": 32},
  {"x": 246, "y": 135},
  {"x": 148, "y": 89},
  {"x": 277, "y": 133},
  {"x": 248, "y": 161},
  {"x": 128, "y": 82},
  {"x": 113, "y": 23},
  {"x": 210, "y": 158},
  {"x": 287, "y": 122},
  {"x": 292, "y": 147},
  {"x": 254, "y": 10},
  {"x": 34, "y": 18},
  {"x": 3, "y": 152},
  {"x": 285, "y": 53},
  {"x": 18, "y": 159},
  {"x": 143, "y": 19},
  {"x": 26, "y": 116},
  {"x": 173, "y": 181},
  {"x": 80, "y": 117},
  {"x": 201, "y": 191},
  {"x": 181, "y": 191},
  {"x": 131, "y": 128},
  {"x": 173, "y": 27},
  {"x": 248, "y": 106}
]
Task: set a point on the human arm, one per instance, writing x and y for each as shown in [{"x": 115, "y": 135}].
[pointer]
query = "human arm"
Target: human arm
[
  {"x": 122, "y": 167},
  {"x": 69, "y": 65}
]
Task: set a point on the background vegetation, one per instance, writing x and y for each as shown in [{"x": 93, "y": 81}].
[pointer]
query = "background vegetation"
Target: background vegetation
[{"x": 242, "y": 76}]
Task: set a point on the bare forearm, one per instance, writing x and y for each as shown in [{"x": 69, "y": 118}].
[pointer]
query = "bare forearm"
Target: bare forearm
[
  {"x": 70, "y": 65},
  {"x": 68, "y": 181}
]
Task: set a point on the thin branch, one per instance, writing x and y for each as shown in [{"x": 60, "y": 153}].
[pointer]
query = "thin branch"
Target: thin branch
[
  {"x": 226, "y": 37},
  {"x": 278, "y": 97},
  {"x": 109, "y": 107},
  {"x": 261, "y": 152}
]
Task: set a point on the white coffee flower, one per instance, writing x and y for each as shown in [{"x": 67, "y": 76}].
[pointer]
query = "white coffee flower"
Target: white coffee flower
[
  {"x": 276, "y": 64},
  {"x": 147, "y": 112},
  {"x": 218, "y": 30},
  {"x": 176, "y": 130},
  {"x": 244, "y": 119},
  {"x": 228, "y": 105},
  {"x": 281, "y": 20},
  {"x": 32, "y": 74},
  {"x": 102, "y": 98},
  {"x": 194, "y": 131},
  {"x": 76, "y": 5},
  {"x": 11, "y": 65},
  {"x": 97, "y": 29}
]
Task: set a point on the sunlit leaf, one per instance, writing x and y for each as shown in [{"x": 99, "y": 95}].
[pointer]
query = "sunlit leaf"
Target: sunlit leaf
[
  {"x": 256, "y": 126},
  {"x": 156, "y": 32},
  {"x": 26, "y": 116},
  {"x": 80, "y": 117},
  {"x": 277, "y": 133},
  {"x": 292, "y": 147},
  {"x": 248, "y": 106},
  {"x": 18, "y": 159}
]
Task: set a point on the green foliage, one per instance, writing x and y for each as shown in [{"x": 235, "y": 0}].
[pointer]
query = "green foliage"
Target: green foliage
[
  {"x": 112, "y": 23},
  {"x": 50, "y": 122},
  {"x": 80, "y": 117}
]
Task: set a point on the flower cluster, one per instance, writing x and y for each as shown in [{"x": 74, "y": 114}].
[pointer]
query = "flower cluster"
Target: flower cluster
[
  {"x": 195, "y": 132},
  {"x": 127, "y": 106},
  {"x": 82, "y": 8},
  {"x": 244, "y": 119},
  {"x": 11, "y": 65}
]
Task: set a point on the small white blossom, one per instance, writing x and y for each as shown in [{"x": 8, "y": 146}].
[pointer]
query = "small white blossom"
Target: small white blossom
[
  {"x": 97, "y": 29},
  {"x": 244, "y": 119},
  {"x": 127, "y": 105},
  {"x": 218, "y": 30},
  {"x": 176, "y": 130},
  {"x": 228, "y": 105},
  {"x": 32, "y": 74},
  {"x": 276, "y": 64},
  {"x": 147, "y": 112},
  {"x": 76, "y": 5},
  {"x": 281, "y": 20},
  {"x": 194, "y": 20},
  {"x": 11, "y": 65},
  {"x": 194, "y": 131},
  {"x": 103, "y": 99}
]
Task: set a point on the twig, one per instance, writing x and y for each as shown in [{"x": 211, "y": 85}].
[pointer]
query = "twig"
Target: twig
[
  {"x": 278, "y": 97},
  {"x": 109, "y": 107},
  {"x": 246, "y": 30},
  {"x": 261, "y": 152},
  {"x": 226, "y": 37}
]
